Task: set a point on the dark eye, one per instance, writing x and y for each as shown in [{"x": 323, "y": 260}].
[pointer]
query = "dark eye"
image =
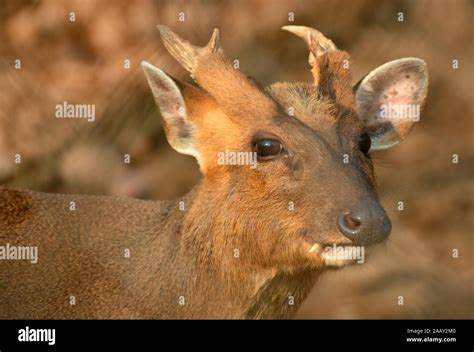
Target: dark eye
[
  {"x": 267, "y": 148},
  {"x": 364, "y": 143}
]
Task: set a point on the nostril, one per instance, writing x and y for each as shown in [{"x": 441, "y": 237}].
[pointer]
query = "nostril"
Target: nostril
[
  {"x": 351, "y": 221},
  {"x": 349, "y": 225}
]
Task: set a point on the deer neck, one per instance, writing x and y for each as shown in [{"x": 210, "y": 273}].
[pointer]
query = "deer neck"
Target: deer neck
[{"x": 216, "y": 281}]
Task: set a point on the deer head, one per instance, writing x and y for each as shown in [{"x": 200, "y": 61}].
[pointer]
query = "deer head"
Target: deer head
[{"x": 314, "y": 183}]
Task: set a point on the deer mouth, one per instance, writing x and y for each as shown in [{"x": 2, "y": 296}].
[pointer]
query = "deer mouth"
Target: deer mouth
[
  {"x": 337, "y": 255},
  {"x": 334, "y": 254}
]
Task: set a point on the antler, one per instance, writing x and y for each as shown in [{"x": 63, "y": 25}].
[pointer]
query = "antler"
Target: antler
[
  {"x": 183, "y": 51},
  {"x": 330, "y": 66},
  {"x": 214, "y": 73},
  {"x": 317, "y": 43}
]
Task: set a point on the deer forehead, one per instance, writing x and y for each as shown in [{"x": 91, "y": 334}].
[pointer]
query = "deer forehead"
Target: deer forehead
[{"x": 304, "y": 102}]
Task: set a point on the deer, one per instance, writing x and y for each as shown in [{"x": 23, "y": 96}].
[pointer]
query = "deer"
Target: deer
[{"x": 244, "y": 243}]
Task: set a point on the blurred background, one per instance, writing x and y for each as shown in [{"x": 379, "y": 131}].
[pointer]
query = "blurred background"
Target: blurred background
[{"x": 95, "y": 59}]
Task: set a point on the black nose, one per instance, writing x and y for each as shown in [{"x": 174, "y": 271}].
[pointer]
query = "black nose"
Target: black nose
[{"x": 366, "y": 223}]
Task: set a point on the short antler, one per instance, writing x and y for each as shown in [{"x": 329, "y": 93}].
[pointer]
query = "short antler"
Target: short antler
[
  {"x": 214, "y": 73},
  {"x": 317, "y": 43},
  {"x": 183, "y": 51},
  {"x": 330, "y": 66}
]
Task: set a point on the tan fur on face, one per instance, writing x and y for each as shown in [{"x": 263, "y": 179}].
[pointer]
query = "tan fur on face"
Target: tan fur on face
[
  {"x": 216, "y": 132},
  {"x": 304, "y": 102},
  {"x": 235, "y": 93},
  {"x": 313, "y": 108}
]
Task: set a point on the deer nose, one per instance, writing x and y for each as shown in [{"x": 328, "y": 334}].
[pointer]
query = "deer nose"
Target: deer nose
[{"x": 365, "y": 223}]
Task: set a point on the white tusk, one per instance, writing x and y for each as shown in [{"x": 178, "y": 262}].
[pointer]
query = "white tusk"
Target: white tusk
[{"x": 314, "y": 247}]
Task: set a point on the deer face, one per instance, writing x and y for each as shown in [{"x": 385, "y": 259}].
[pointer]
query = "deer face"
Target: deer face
[{"x": 289, "y": 165}]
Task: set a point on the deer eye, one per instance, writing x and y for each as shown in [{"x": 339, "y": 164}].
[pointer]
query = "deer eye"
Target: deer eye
[
  {"x": 267, "y": 148},
  {"x": 364, "y": 143}
]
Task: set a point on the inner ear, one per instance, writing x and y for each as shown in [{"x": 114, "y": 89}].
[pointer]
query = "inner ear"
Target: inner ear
[
  {"x": 390, "y": 98},
  {"x": 170, "y": 96}
]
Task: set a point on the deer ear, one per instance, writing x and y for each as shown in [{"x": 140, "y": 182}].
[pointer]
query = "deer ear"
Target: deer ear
[
  {"x": 390, "y": 98},
  {"x": 180, "y": 131}
]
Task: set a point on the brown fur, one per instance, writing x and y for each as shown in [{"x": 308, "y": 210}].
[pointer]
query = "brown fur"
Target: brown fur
[
  {"x": 334, "y": 77},
  {"x": 235, "y": 93},
  {"x": 81, "y": 255}
]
